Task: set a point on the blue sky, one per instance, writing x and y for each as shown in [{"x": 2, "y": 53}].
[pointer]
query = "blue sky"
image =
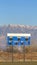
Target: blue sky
[{"x": 18, "y": 12}]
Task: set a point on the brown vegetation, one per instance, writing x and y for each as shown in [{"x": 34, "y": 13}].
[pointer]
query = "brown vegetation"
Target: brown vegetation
[{"x": 28, "y": 54}]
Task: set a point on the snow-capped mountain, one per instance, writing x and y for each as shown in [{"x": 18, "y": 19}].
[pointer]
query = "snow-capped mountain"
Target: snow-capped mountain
[{"x": 17, "y": 29}]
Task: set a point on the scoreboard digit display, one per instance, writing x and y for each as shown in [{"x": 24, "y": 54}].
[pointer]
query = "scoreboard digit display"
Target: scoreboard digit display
[{"x": 18, "y": 40}]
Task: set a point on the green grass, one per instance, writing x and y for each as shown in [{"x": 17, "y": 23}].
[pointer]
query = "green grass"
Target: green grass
[{"x": 21, "y": 63}]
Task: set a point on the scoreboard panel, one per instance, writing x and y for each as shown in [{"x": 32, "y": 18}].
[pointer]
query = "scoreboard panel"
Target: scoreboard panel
[{"x": 14, "y": 40}]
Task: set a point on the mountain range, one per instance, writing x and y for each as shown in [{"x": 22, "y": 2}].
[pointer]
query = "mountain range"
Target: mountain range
[{"x": 17, "y": 29}]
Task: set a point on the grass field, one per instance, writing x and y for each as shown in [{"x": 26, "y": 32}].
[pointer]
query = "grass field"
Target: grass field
[{"x": 23, "y": 63}]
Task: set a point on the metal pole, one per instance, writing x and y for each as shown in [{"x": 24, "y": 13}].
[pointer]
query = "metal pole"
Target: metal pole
[
  {"x": 24, "y": 52},
  {"x": 12, "y": 53}
]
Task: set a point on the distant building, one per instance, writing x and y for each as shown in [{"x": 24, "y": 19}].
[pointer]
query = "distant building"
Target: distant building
[{"x": 18, "y": 39}]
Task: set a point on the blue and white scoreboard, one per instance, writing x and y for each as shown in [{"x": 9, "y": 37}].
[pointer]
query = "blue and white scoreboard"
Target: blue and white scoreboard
[{"x": 18, "y": 39}]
